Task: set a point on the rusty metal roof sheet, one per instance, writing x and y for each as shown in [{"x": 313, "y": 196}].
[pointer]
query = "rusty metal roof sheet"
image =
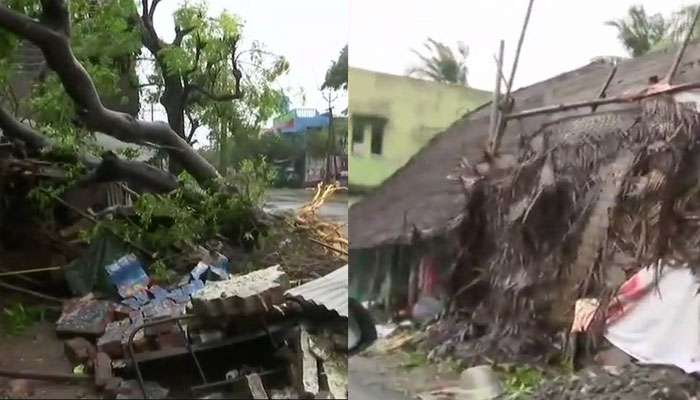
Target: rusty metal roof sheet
[{"x": 330, "y": 291}]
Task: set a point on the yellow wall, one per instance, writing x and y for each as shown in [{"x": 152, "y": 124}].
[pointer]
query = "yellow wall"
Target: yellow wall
[{"x": 414, "y": 110}]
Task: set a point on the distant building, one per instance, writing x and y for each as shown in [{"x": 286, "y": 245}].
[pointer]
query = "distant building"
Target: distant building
[
  {"x": 392, "y": 117},
  {"x": 299, "y": 121},
  {"x": 297, "y": 125}
]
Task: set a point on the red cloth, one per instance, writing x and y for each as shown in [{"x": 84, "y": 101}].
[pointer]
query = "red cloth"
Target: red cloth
[{"x": 428, "y": 277}]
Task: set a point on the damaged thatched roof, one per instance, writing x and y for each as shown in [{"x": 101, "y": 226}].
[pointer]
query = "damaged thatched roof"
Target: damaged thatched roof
[{"x": 420, "y": 194}]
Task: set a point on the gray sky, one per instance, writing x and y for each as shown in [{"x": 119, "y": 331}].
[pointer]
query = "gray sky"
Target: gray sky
[
  {"x": 309, "y": 33},
  {"x": 562, "y": 34}
]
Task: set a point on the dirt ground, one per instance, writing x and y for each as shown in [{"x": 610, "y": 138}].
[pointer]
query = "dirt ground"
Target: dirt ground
[
  {"x": 38, "y": 349},
  {"x": 397, "y": 374}
]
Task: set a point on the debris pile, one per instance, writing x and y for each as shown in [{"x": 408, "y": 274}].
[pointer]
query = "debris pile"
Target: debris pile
[
  {"x": 587, "y": 202},
  {"x": 325, "y": 233},
  {"x": 262, "y": 340},
  {"x": 630, "y": 382},
  {"x": 233, "y": 331}
]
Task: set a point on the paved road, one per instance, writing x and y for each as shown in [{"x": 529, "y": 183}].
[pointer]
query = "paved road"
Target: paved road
[
  {"x": 335, "y": 210},
  {"x": 367, "y": 382}
]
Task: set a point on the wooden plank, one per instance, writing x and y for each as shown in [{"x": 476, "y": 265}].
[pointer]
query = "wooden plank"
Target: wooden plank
[
  {"x": 257, "y": 390},
  {"x": 309, "y": 365}
]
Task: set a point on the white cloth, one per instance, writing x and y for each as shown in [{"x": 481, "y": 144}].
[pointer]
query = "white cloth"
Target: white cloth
[{"x": 663, "y": 326}]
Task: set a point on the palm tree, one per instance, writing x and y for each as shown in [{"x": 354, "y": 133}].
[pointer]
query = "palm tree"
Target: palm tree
[
  {"x": 681, "y": 22},
  {"x": 639, "y": 32},
  {"x": 441, "y": 64}
]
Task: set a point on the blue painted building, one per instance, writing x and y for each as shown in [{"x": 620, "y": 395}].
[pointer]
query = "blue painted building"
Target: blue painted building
[{"x": 300, "y": 120}]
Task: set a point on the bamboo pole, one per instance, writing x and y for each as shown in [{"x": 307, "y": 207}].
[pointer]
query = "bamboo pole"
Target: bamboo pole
[
  {"x": 501, "y": 124},
  {"x": 44, "y": 376},
  {"x": 30, "y": 271},
  {"x": 504, "y": 82},
  {"x": 599, "y": 102},
  {"x": 601, "y": 94},
  {"x": 681, "y": 50},
  {"x": 495, "y": 102},
  {"x": 30, "y": 292},
  {"x": 520, "y": 45}
]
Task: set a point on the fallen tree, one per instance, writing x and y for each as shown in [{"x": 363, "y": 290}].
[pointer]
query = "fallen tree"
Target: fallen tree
[
  {"x": 590, "y": 197},
  {"x": 52, "y": 35}
]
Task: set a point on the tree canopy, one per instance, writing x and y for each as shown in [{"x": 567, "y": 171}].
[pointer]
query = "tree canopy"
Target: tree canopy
[
  {"x": 440, "y": 63},
  {"x": 641, "y": 33},
  {"x": 93, "y": 51},
  {"x": 337, "y": 73}
]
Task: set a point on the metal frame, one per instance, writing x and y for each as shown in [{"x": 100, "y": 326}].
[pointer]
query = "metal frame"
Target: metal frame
[{"x": 265, "y": 331}]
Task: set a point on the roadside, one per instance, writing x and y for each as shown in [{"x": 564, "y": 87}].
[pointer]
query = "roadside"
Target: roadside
[
  {"x": 334, "y": 210},
  {"x": 387, "y": 371}
]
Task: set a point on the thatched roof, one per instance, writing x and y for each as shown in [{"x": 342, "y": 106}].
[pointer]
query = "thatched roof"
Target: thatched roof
[{"x": 420, "y": 194}]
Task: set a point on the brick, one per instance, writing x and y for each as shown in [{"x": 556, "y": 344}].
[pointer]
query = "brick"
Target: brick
[
  {"x": 21, "y": 388},
  {"x": 103, "y": 370},
  {"x": 121, "y": 311},
  {"x": 171, "y": 340},
  {"x": 85, "y": 317},
  {"x": 111, "y": 388},
  {"x": 130, "y": 390},
  {"x": 111, "y": 341},
  {"x": 79, "y": 350}
]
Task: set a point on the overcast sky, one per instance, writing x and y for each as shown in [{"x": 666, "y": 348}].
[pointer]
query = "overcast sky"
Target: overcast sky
[
  {"x": 562, "y": 34},
  {"x": 309, "y": 33}
]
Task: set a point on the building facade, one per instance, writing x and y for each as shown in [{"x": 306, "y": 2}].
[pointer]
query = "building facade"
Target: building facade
[
  {"x": 392, "y": 117},
  {"x": 298, "y": 125}
]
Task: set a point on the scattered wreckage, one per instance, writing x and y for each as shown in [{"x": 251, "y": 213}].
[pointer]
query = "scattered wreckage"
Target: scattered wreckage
[{"x": 248, "y": 335}]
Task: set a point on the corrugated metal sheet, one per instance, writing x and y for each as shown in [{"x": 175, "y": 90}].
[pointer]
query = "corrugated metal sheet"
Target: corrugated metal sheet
[{"x": 330, "y": 291}]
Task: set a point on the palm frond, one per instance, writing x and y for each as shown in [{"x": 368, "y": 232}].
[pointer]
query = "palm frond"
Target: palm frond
[{"x": 440, "y": 63}]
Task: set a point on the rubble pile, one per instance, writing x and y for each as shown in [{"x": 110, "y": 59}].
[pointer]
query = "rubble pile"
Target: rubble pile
[
  {"x": 585, "y": 203},
  {"x": 237, "y": 332},
  {"x": 631, "y": 382},
  {"x": 295, "y": 342},
  {"x": 328, "y": 234}
]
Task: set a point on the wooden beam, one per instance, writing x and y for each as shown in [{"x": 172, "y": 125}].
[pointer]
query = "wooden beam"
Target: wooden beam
[
  {"x": 495, "y": 102},
  {"x": 309, "y": 365},
  {"x": 30, "y": 271},
  {"x": 501, "y": 124},
  {"x": 257, "y": 389},
  {"x": 44, "y": 376},
  {"x": 602, "y": 94},
  {"x": 30, "y": 292},
  {"x": 599, "y": 102},
  {"x": 681, "y": 50}
]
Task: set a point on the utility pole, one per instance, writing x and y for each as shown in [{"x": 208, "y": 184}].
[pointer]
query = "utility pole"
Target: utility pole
[{"x": 331, "y": 162}]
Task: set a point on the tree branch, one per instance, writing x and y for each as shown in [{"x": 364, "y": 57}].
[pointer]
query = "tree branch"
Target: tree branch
[
  {"x": 237, "y": 74},
  {"x": 217, "y": 97},
  {"x": 138, "y": 175},
  {"x": 25, "y": 27},
  {"x": 180, "y": 35},
  {"x": 81, "y": 89},
  {"x": 149, "y": 36},
  {"x": 152, "y": 10},
  {"x": 12, "y": 128},
  {"x": 194, "y": 125}
]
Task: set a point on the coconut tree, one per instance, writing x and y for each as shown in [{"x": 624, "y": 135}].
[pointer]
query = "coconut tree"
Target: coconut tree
[
  {"x": 639, "y": 32},
  {"x": 440, "y": 63}
]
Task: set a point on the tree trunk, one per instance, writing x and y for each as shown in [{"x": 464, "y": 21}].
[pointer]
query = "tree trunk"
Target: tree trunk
[{"x": 52, "y": 37}]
